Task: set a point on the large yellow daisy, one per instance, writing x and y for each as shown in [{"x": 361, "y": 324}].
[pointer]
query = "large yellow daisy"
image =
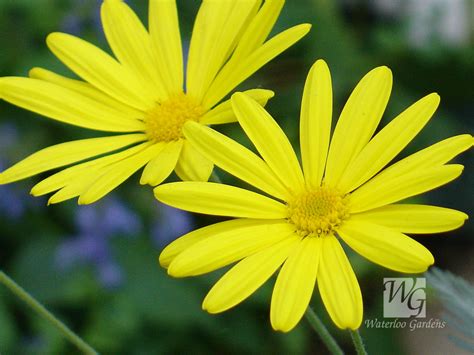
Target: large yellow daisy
[
  {"x": 342, "y": 194},
  {"x": 141, "y": 93}
]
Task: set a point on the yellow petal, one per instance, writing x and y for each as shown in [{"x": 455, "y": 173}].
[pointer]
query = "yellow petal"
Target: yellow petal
[
  {"x": 75, "y": 174},
  {"x": 358, "y": 121},
  {"x": 269, "y": 139},
  {"x": 388, "y": 143},
  {"x": 247, "y": 276},
  {"x": 116, "y": 174},
  {"x": 258, "y": 29},
  {"x": 64, "y": 105},
  {"x": 98, "y": 68},
  {"x": 87, "y": 90},
  {"x": 386, "y": 247},
  {"x": 65, "y": 154},
  {"x": 315, "y": 122},
  {"x": 235, "y": 72},
  {"x": 295, "y": 284},
  {"x": 166, "y": 42},
  {"x": 162, "y": 165},
  {"x": 220, "y": 200},
  {"x": 223, "y": 112},
  {"x": 382, "y": 190},
  {"x": 191, "y": 238},
  {"x": 421, "y": 219},
  {"x": 434, "y": 155},
  {"x": 338, "y": 286},
  {"x": 131, "y": 44},
  {"x": 223, "y": 249},
  {"x": 217, "y": 27},
  {"x": 192, "y": 165},
  {"x": 234, "y": 158}
]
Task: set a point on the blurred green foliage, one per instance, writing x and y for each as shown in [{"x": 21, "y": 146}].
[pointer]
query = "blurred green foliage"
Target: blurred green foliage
[{"x": 150, "y": 313}]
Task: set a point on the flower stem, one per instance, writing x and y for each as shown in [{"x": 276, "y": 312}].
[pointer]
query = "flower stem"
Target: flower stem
[
  {"x": 43, "y": 312},
  {"x": 358, "y": 342},
  {"x": 323, "y": 332}
]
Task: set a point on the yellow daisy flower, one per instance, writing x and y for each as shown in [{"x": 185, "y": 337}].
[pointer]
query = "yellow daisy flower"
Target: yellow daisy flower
[
  {"x": 343, "y": 193},
  {"x": 141, "y": 93}
]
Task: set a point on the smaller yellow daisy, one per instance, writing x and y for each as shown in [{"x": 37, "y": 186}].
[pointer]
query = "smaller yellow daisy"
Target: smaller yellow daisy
[
  {"x": 141, "y": 93},
  {"x": 343, "y": 193}
]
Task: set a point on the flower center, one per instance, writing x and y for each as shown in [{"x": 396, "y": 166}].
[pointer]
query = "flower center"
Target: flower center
[
  {"x": 318, "y": 212},
  {"x": 164, "y": 123}
]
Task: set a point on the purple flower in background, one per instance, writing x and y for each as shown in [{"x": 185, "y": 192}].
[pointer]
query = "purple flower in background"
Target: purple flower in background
[
  {"x": 13, "y": 202},
  {"x": 96, "y": 225},
  {"x": 171, "y": 224}
]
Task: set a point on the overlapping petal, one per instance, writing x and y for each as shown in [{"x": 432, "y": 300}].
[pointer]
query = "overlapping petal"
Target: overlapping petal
[
  {"x": 358, "y": 120},
  {"x": 295, "y": 284},
  {"x": 338, "y": 286},
  {"x": 269, "y": 139},
  {"x": 235, "y": 159},
  {"x": 220, "y": 200},
  {"x": 225, "y": 248},
  {"x": 66, "y": 153},
  {"x": 192, "y": 165},
  {"x": 410, "y": 218},
  {"x": 315, "y": 122},
  {"x": 383, "y": 190},
  {"x": 386, "y": 247},
  {"x": 247, "y": 276},
  {"x": 388, "y": 143},
  {"x": 163, "y": 164}
]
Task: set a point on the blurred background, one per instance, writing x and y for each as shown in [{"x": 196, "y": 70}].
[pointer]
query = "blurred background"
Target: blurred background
[{"x": 95, "y": 266}]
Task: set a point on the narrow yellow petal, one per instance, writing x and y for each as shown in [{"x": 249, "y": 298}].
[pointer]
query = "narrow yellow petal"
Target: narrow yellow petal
[
  {"x": 381, "y": 191},
  {"x": 64, "y": 105},
  {"x": 99, "y": 69},
  {"x": 437, "y": 154},
  {"x": 192, "y": 165},
  {"x": 220, "y": 200},
  {"x": 269, "y": 139},
  {"x": 219, "y": 24},
  {"x": 236, "y": 71},
  {"x": 73, "y": 174},
  {"x": 191, "y": 238},
  {"x": 386, "y": 247},
  {"x": 223, "y": 249},
  {"x": 388, "y": 143},
  {"x": 65, "y": 154},
  {"x": 209, "y": 22},
  {"x": 117, "y": 173},
  {"x": 166, "y": 42},
  {"x": 247, "y": 276},
  {"x": 234, "y": 158},
  {"x": 131, "y": 44},
  {"x": 163, "y": 164},
  {"x": 295, "y": 284},
  {"x": 258, "y": 29},
  {"x": 315, "y": 122},
  {"x": 223, "y": 112},
  {"x": 338, "y": 286},
  {"x": 358, "y": 121},
  {"x": 421, "y": 219},
  {"x": 86, "y": 89}
]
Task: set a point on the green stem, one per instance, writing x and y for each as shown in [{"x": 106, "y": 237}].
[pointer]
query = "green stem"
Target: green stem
[
  {"x": 215, "y": 178},
  {"x": 323, "y": 332},
  {"x": 358, "y": 342},
  {"x": 43, "y": 312}
]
